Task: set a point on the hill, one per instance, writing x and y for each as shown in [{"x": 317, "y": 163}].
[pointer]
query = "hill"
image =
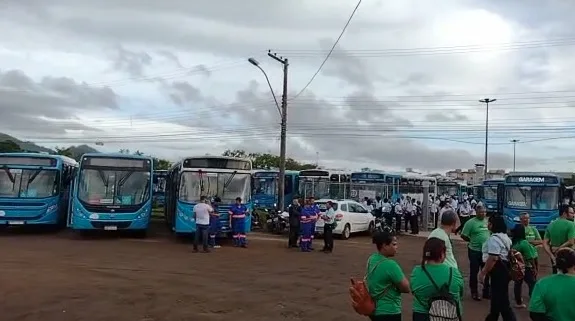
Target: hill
[{"x": 73, "y": 151}]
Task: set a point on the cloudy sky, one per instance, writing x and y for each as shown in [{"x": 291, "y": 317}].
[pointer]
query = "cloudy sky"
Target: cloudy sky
[{"x": 171, "y": 78}]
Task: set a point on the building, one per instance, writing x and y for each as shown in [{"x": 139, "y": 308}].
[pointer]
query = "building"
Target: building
[{"x": 475, "y": 175}]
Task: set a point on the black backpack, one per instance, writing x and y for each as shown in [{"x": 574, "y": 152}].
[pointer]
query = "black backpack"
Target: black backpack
[{"x": 442, "y": 306}]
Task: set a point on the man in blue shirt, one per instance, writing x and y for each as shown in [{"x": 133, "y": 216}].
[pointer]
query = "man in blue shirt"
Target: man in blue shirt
[{"x": 238, "y": 223}]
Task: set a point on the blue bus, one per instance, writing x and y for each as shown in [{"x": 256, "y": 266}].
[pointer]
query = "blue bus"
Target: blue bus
[
  {"x": 159, "y": 188},
  {"x": 450, "y": 187},
  {"x": 112, "y": 192},
  {"x": 486, "y": 193},
  {"x": 265, "y": 188},
  {"x": 210, "y": 176},
  {"x": 386, "y": 185},
  {"x": 539, "y": 194},
  {"x": 35, "y": 188}
]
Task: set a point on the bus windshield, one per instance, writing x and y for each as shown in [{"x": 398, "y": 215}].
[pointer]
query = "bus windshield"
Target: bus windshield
[
  {"x": 490, "y": 192},
  {"x": 443, "y": 189},
  {"x": 114, "y": 187},
  {"x": 266, "y": 186},
  {"x": 528, "y": 197},
  {"x": 28, "y": 183},
  {"x": 317, "y": 187},
  {"x": 227, "y": 186}
]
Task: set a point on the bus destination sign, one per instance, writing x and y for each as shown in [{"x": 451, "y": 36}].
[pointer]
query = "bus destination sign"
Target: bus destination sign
[{"x": 532, "y": 179}]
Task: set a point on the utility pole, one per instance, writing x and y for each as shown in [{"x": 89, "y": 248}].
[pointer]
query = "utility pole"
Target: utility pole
[
  {"x": 486, "y": 101},
  {"x": 283, "y": 114},
  {"x": 514, "y": 141}
]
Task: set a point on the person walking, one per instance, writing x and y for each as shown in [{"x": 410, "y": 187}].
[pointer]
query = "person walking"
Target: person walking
[
  {"x": 552, "y": 297},
  {"x": 530, "y": 256},
  {"x": 238, "y": 223},
  {"x": 202, "y": 212},
  {"x": 385, "y": 279},
  {"x": 447, "y": 226},
  {"x": 560, "y": 233},
  {"x": 294, "y": 211},
  {"x": 476, "y": 233},
  {"x": 497, "y": 266},
  {"x": 328, "y": 227},
  {"x": 431, "y": 276}
]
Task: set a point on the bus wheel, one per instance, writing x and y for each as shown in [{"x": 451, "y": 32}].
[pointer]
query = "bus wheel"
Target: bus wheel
[{"x": 346, "y": 233}]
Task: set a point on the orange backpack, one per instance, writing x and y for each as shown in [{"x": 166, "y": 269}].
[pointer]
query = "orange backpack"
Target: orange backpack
[{"x": 361, "y": 300}]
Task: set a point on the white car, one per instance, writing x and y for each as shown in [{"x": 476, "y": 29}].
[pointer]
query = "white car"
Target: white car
[{"x": 351, "y": 217}]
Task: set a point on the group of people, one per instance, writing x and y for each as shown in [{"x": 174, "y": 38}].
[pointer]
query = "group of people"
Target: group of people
[
  {"x": 490, "y": 254},
  {"x": 404, "y": 208},
  {"x": 207, "y": 219},
  {"x": 303, "y": 215}
]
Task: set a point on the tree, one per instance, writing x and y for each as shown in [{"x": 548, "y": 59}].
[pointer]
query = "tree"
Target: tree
[
  {"x": 64, "y": 152},
  {"x": 161, "y": 164},
  {"x": 267, "y": 160},
  {"x": 9, "y": 146}
]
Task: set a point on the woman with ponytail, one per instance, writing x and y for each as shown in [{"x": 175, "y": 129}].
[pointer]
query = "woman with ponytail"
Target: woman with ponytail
[
  {"x": 552, "y": 297},
  {"x": 435, "y": 281}
]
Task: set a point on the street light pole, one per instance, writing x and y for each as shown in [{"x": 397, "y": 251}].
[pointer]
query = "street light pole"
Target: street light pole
[
  {"x": 283, "y": 115},
  {"x": 486, "y": 101},
  {"x": 514, "y": 141}
]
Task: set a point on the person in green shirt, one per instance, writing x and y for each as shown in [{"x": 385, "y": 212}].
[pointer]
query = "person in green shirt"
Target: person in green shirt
[
  {"x": 529, "y": 253},
  {"x": 552, "y": 297},
  {"x": 385, "y": 279},
  {"x": 433, "y": 269},
  {"x": 559, "y": 233},
  {"x": 476, "y": 233},
  {"x": 531, "y": 233}
]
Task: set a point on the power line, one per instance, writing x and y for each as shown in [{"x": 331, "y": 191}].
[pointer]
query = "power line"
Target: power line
[{"x": 329, "y": 53}]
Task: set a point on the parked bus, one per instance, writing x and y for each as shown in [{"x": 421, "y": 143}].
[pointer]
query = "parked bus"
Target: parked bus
[
  {"x": 35, "y": 188},
  {"x": 369, "y": 184},
  {"x": 314, "y": 182},
  {"x": 210, "y": 176},
  {"x": 411, "y": 185},
  {"x": 339, "y": 184},
  {"x": 539, "y": 194},
  {"x": 487, "y": 194},
  {"x": 265, "y": 188},
  {"x": 450, "y": 187},
  {"x": 112, "y": 192},
  {"x": 159, "y": 188}
]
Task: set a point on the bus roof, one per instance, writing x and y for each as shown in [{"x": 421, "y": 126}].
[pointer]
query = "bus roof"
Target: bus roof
[
  {"x": 494, "y": 180},
  {"x": 288, "y": 172},
  {"x": 117, "y": 155},
  {"x": 540, "y": 174},
  {"x": 65, "y": 159}
]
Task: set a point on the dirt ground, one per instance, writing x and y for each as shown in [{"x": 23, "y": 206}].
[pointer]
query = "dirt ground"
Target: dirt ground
[{"x": 59, "y": 278}]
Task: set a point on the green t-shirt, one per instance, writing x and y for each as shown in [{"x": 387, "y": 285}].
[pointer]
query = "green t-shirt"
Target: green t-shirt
[
  {"x": 559, "y": 232},
  {"x": 532, "y": 234},
  {"x": 385, "y": 277},
  {"x": 423, "y": 289},
  {"x": 553, "y": 295},
  {"x": 477, "y": 232},
  {"x": 528, "y": 251}
]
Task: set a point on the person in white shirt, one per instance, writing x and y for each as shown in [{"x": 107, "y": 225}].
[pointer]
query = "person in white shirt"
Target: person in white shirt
[
  {"x": 454, "y": 202},
  {"x": 408, "y": 211},
  {"x": 464, "y": 214},
  {"x": 398, "y": 209},
  {"x": 386, "y": 212},
  {"x": 435, "y": 211},
  {"x": 378, "y": 212},
  {"x": 448, "y": 224},
  {"x": 202, "y": 212}
]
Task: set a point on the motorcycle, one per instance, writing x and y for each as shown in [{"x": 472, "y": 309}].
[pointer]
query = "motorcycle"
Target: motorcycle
[
  {"x": 255, "y": 220},
  {"x": 277, "y": 222},
  {"x": 380, "y": 225}
]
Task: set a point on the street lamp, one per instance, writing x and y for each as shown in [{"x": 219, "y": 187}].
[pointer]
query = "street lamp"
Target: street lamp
[
  {"x": 486, "y": 101},
  {"x": 254, "y": 62},
  {"x": 514, "y": 141},
  {"x": 282, "y": 110}
]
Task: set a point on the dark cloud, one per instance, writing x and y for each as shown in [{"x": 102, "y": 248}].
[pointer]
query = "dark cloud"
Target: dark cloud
[
  {"x": 132, "y": 62},
  {"x": 49, "y": 105}
]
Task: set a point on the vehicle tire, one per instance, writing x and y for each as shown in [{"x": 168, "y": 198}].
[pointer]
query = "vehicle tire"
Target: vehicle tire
[
  {"x": 346, "y": 233},
  {"x": 371, "y": 228}
]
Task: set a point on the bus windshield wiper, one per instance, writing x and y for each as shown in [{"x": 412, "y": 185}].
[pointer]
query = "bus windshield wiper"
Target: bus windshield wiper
[
  {"x": 10, "y": 176},
  {"x": 32, "y": 177},
  {"x": 229, "y": 181}
]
